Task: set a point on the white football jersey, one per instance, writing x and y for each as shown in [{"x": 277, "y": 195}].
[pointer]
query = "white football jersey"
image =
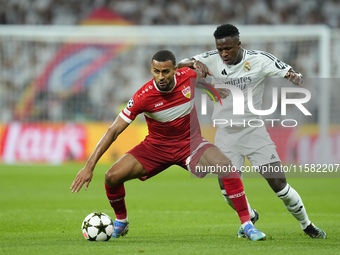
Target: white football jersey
[{"x": 251, "y": 72}]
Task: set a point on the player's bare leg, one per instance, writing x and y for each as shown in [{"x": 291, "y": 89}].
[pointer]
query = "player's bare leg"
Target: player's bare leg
[
  {"x": 126, "y": 168},
  {"x": 234, "y": 187}
]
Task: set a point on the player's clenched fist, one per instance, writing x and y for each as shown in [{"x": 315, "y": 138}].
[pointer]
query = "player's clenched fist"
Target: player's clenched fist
[{"x": 295, "y": 78}]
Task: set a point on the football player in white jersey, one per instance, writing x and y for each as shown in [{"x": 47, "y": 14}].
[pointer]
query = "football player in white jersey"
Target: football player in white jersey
[{"x": 232, "y": 65}]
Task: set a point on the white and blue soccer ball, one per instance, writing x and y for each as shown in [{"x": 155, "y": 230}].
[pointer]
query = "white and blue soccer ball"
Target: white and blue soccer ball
[{"x": 97, "y": 226}]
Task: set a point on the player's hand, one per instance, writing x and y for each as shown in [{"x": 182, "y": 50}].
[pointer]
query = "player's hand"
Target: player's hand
[
  {"x": 84, "y": 176},
  {"x": 222, "y": 92},
  {"x": 295, "y": 78},
  {"x": 201, "y": 68}
]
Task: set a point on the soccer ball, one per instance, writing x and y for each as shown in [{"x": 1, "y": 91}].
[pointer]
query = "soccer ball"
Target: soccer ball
[{"x": 97, "y": 226}]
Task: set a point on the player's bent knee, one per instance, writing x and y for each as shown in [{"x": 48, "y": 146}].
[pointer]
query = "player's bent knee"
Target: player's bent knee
[
  {"x": 111, "y": 178},
  {"x": 126, "y": 168}
]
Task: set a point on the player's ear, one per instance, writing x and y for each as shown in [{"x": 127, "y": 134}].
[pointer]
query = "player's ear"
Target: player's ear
[
  {"x": 239, "y": 44},
  {"x": 152, "y": 65},
  {"x": 175, "y": 68}
]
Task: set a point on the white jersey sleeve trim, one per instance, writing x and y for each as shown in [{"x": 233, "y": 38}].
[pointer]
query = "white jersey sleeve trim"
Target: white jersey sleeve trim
[{"x": 125, "y": 118}]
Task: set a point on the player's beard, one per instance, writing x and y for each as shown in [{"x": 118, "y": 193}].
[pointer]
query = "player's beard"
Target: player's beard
[{"x": 167, "y": 87}]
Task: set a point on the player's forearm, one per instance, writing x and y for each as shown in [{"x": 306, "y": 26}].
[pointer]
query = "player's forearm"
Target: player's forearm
[
  {"x": 104, "y": 143},
  {"x": 187, "y": 62},
  {"x": 196, "y": 65}
]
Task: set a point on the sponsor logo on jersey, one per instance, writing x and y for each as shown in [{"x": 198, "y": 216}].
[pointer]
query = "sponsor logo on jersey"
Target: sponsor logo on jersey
[
  {"x": 158, "y": 104},
  {"x": 186, "y": 92},
  {"x": 246, "y": 67},
  {"x": 224, "y": 72},
  {"x": 130, "y": 103},
  {"x": 241, "y": 82}
]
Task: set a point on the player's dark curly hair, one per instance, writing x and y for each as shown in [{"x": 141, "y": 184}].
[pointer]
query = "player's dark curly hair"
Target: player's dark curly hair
[
  {"x": 226, "y": 30},
  {"x": 164, "y": 55}
]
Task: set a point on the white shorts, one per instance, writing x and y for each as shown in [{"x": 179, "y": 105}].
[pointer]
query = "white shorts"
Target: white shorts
[{"x": 253, "y": 143}]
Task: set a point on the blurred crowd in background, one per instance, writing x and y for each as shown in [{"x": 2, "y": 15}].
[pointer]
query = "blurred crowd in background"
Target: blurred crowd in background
[
  {"x": 22, "y": 62},
  {"x": 175, "y": 12}
]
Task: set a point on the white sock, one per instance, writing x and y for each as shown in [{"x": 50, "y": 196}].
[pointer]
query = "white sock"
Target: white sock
[
  {"x": 123, "y": 220},
  {"x": 246, "y": 223},
  {"x": 230, "y": 203},
  {"x": 294, "y": 205}
]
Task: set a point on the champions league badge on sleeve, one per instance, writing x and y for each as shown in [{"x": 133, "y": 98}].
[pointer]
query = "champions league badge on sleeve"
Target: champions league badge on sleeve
[{"x": 130, "y": 103}]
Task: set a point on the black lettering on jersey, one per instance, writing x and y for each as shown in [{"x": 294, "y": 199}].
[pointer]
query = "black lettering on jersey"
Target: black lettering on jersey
[
  {"x": 241, "y": 82},
  {"x": 209, "y": 53},
  {"x": 242, "y": 86}
]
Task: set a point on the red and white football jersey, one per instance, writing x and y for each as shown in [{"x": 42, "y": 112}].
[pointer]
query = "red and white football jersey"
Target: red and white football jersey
[{"x": 169, "y": 115}]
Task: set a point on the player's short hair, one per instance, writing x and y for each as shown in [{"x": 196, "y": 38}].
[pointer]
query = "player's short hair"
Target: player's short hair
[
  {"x": 226, "y": 30},
  {"x": 164, "y": 55}
]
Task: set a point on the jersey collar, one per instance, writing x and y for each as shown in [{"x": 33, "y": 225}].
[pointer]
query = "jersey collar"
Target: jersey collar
[{"x": 244, "y": 54}]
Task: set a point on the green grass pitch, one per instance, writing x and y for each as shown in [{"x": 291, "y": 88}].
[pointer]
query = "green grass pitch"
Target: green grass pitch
[{"x": 169, "y": 214}]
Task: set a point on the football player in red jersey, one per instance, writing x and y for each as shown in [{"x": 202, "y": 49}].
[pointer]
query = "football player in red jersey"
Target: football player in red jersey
[{"x": 174, "y": 139}]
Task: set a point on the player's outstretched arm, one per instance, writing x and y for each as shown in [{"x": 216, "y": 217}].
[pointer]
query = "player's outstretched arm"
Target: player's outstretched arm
[
  {"x": 295, "y": 77},
  {"x": 195, "y": 64},
  {"x": 198, "y": 66},
  {"x": 84, "y": 176}
]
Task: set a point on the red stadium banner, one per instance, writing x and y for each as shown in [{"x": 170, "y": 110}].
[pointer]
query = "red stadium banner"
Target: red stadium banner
[
  {"x": 56, "y": 143},
  {"x": 52, "y": 143}
]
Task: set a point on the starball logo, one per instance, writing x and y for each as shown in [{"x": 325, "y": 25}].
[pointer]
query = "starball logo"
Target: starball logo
[{"x": 238, "y": 106}]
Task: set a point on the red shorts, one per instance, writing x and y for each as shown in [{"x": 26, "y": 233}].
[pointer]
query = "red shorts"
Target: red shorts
[{"x": 156, "y": 155}]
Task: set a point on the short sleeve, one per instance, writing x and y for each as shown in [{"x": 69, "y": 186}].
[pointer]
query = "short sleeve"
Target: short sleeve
[
  {"x": 206, "y": 58},
  {"x": 272, "y": 66},
  {"x": 133, "y": 108}
]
